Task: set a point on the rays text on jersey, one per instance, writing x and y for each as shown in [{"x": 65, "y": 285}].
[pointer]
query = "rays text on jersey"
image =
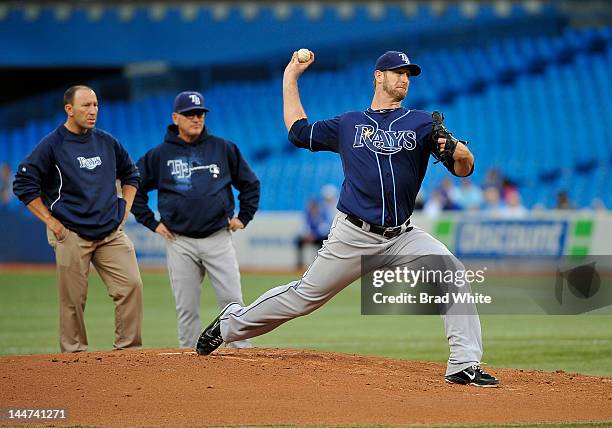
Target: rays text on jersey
[{"x": 382, "y": 141}]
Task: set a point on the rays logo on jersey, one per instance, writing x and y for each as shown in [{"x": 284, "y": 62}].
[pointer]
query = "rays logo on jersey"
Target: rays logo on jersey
[
  {"x": 90, "y": 163},
  {"x": 383, "y": 142},
  {"x": 181, "y": 169}
]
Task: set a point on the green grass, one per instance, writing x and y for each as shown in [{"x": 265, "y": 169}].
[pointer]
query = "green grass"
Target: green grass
[{"x": 28, "y": 325}]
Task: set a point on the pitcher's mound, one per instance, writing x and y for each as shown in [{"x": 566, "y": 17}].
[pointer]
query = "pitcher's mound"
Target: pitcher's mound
[{"x": 277, "y": 386}]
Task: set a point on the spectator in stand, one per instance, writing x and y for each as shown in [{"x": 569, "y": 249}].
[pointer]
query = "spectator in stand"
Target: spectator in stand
[
  {"x": 492, "y": 203},
  {"x": 494, "y": 179},
  {"x": 598, "y": 205},
  {"x": 508, "y": 188},
  {"x": 449, "y": 193},
  {"x": 315, "y": 231},
  {"x": 329, "y": 194},
  {"x": 434, "y": 205},
  {"x": 514, "y": 208},
  {"x": 6, "y": 186},
  {"x": 563, "y": 201},
  {"x": 469, "y": 196},
  {"x": 317, "y": 222}
]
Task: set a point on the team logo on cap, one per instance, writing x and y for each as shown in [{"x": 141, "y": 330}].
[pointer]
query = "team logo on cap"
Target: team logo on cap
[
  {"x": 195, "y": 99},
  {"x": 404, "y": 58},
  {"x": 383, "y": 142}
]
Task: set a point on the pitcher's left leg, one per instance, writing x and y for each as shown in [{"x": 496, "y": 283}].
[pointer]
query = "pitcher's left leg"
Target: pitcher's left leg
[{"x": 461, "y": 322}]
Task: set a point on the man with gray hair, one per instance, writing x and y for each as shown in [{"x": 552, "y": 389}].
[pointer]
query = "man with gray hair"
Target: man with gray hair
[{"x": 193, "y": 172}]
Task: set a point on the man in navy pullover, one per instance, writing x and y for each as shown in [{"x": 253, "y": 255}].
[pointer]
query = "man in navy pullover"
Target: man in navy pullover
[
  {"x": 69, "y": 182},
  {"x": 194, "y": 172}
]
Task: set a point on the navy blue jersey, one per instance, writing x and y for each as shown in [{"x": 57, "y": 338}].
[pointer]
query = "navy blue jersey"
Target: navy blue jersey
[
  {"x": 194, "y": 183},
  {"x": 384, "y": 156},
  {"x": 75, "y": 177}
]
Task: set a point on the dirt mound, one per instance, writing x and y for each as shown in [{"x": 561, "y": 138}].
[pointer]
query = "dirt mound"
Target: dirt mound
[{"x": 276, "y": 386}]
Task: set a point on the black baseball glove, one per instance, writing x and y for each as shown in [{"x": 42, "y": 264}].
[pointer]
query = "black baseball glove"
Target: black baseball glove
[{"x": 439, "y": 131}]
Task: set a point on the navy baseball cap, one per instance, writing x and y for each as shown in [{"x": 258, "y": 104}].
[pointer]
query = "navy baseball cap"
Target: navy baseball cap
[
  {"x": 189, "y": 101},
  {"x": 394, "y": 59}
]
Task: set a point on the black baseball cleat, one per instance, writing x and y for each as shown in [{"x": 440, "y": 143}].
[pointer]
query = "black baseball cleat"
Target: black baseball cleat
[
  {"x": 474, "y": 375},
  {"x": 211, "y": 338}
]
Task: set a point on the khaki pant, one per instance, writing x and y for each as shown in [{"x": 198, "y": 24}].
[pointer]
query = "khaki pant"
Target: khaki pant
[{"x": 115, "y": 260}]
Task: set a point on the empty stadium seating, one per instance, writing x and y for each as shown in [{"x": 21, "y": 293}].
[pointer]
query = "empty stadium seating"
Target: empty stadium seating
[{"x": 534, "y": 107}]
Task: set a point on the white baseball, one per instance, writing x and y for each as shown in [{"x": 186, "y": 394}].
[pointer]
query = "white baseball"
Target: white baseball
[{"x": 303, "y": 55}]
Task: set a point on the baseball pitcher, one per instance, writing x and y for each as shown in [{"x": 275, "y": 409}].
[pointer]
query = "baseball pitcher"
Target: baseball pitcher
[{"x": 385, "y": 151}]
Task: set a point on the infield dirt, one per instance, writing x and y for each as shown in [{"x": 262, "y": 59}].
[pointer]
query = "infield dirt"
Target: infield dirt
[{"x": 170, "y": 387}]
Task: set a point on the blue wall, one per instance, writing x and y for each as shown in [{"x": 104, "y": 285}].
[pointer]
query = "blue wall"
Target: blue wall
[{"x": 24, "y": 239}]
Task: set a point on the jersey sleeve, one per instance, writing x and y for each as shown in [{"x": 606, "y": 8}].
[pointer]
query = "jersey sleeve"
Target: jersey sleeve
[{"x": 319, "y": 136}]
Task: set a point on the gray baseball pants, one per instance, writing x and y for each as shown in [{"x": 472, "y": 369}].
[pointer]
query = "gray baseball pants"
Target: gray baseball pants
[
  {"x": 337, "y": 265},
  {"x": 188, "y": 261}
]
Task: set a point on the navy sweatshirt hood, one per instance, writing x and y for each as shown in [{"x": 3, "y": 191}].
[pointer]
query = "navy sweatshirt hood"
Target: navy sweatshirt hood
[{"x": 172, "y": 137}]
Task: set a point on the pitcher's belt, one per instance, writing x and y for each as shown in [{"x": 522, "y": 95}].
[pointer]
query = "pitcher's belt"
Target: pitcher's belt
[{"x": 387, "y": 232}]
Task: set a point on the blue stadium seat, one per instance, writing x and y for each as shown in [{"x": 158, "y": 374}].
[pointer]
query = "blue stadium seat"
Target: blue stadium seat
[{"x": 531, "y": 106}]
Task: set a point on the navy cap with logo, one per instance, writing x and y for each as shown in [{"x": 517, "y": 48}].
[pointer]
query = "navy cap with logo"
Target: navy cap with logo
[
  {"x": 392, "y": 60},
  {"x": 189, "y": 101}
]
